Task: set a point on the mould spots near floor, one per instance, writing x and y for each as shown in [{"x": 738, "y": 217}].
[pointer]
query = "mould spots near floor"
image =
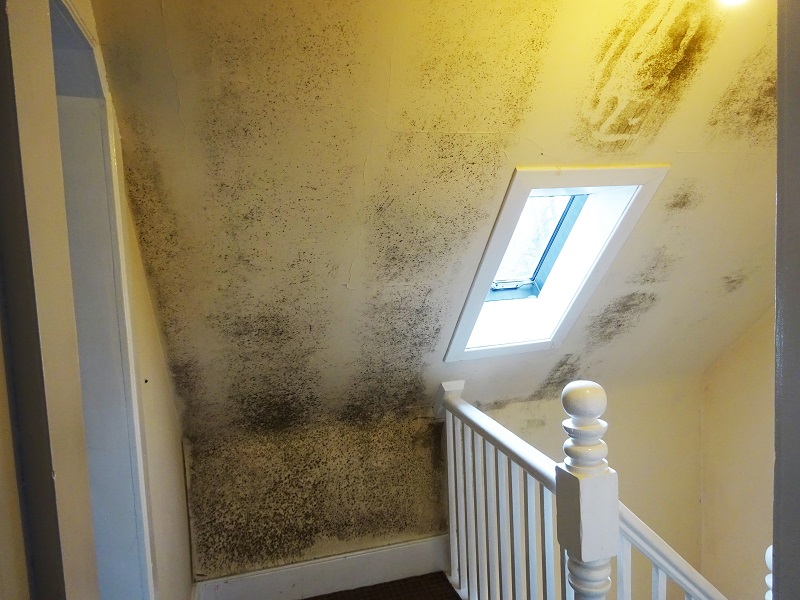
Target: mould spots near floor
[
  {"x": 733, "y": 281},
  {"x": 644, "y": 66},
  {"x": 748, "y": 108},
  {"x": 618, "y": 317},
  {"x": 659, "y": 266},
  {"x": 260, "y": 500},
  {"x": 567, "y": 369}
]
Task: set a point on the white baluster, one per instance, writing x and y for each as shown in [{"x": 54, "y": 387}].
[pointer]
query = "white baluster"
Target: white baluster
[
  {"x": 768, "y": 578},
  {"x": 586, "y": 493}
]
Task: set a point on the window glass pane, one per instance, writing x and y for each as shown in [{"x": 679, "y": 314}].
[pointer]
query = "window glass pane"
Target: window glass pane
[{"x": 534, "y": 229}]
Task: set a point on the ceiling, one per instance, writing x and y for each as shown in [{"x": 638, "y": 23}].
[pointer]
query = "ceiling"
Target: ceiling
[{"x": 314, "y": 185}]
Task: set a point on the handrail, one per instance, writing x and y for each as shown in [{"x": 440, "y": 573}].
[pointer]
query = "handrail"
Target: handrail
[
  {"x": 540, "y": 466},
  {"x": 649, "y": 543}
]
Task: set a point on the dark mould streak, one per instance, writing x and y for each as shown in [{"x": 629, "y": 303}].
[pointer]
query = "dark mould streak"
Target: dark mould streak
[
  {"x": 643, "y": 68},
  {"x": 567, "y": 369},
  {"x": 618, "y": 317},
  {"x": 659, "y": 266},
  {"x": 685, "y": 199}
]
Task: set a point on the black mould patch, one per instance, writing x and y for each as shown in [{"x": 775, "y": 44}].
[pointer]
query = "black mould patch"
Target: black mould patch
[
  {"x": 618, "y": 317},
  {"x": 686, "y": 198},
  {"x": 411, "y": 237},
  {"x": 733, "y": 281},
  {"x": 658, "y": 268},
  {"x": 260, "y": 500},
  {"x": 272, "y": 377},
  {"x": 475, "y": 67},
  {"x": 401, "y": 326},
  {"x": 644, "y": 66},
  {"x": 565, "y": 370},
  {"x": 748, "y": 109}
]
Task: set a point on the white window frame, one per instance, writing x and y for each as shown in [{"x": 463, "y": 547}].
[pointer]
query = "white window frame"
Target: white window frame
[{"x": 552, "y": 181}]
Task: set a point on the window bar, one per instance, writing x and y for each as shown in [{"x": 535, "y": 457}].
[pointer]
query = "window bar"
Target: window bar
[
  {"x": 480, "y": 516},
  {"x": 548, "y": 547},
  {"x": 506, "y": 568},
  {"x": 451, "y": 487},
  {"x": 490, "y": 462},
  {"x": 624, "y": 576},
  {"x": 461, "y": 501},
  {"x": 659, "y": 584},
  {"x": 518, "y": 529},
  {"x": 530, "y": 518},
  {"x": 472, "y": 556}
]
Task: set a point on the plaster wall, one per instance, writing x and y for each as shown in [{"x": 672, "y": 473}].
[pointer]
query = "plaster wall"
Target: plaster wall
[{"x": 738, "y": 458}]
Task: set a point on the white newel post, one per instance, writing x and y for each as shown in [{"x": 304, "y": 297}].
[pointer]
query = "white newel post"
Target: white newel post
[
  {"x": 768, "y": 578},
  {"x": 586, "y": 493}
]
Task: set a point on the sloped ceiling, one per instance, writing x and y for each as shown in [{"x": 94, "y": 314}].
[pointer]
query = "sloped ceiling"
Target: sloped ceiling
[{"x": 314, "y": 184}]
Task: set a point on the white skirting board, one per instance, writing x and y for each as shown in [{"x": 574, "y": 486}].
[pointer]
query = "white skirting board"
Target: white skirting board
[{"x": 334, "y": 574}]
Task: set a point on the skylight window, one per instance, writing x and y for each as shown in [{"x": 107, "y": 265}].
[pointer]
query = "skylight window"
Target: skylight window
[{"x": 555, "y": 236}]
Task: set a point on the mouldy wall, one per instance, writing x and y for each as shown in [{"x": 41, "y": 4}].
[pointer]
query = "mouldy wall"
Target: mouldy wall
[
  {"x": 312, "y": 191},
  {"x": 738, "y": 458},
  {"x": 297, "y": 246}
]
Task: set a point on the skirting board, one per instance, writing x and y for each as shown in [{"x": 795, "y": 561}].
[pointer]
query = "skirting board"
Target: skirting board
[{"x": 334, "y": 574}]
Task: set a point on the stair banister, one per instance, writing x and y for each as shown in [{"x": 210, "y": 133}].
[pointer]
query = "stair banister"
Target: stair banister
[
  {"x": 768, "y": 578},
  {"x": 587, "y": 500}
]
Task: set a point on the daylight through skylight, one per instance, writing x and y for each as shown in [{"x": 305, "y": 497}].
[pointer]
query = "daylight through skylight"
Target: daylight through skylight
[{"x": 555, "y": 236}]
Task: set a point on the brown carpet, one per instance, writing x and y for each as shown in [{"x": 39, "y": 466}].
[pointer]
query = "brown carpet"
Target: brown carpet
[{"x": 425, "y": 587}]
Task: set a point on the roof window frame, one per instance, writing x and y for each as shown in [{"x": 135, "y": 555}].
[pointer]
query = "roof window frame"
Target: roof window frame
[{"x": 624, "y": 189}]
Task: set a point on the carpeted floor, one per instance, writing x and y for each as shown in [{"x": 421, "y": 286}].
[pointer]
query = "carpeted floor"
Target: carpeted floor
[{"x": 425, "y": 587}]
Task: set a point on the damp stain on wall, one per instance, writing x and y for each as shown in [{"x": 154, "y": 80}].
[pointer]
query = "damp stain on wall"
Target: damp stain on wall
[
  {"x": 567, "y": 369},
  {"x": 748, "y": 109},
  {"x": 643, "y": 68},
  {"x": 618, "y": 317}
]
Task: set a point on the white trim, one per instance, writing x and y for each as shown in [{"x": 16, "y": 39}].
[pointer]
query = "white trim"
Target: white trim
[
  {"x": 334, "y": 574},
  {"x": 600, "y": 181}
]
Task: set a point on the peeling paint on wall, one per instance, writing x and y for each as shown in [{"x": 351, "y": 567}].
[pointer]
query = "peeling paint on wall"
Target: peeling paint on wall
[
  {"x": 749, "y": 109},
  {"x": 644, "y": 66},
  {"x": 659, "y": 266},
  {"x": 618, "y": 317},
  {"x": 733, "y": 281}
]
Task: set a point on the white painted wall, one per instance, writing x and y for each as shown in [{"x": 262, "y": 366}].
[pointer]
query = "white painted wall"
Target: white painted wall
[
  {"x": 13, "y": 571},
  {"x": 163, "y": 454},
  {"x": 738, "y": 459}
]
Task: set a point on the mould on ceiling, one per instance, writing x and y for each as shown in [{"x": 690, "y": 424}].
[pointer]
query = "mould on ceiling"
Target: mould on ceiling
[
  {"x": 644, "y": 66},
  {"x": 565, "y": 370},
  {"x": 618, "y": 317},
  {"x": 748, "y": 109},
  {"x": 659, "y": 266},
  {"x": 733, "y": 281}
]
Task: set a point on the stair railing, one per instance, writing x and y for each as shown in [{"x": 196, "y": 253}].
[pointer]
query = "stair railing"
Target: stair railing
[{"x": 523, "y": 527}]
